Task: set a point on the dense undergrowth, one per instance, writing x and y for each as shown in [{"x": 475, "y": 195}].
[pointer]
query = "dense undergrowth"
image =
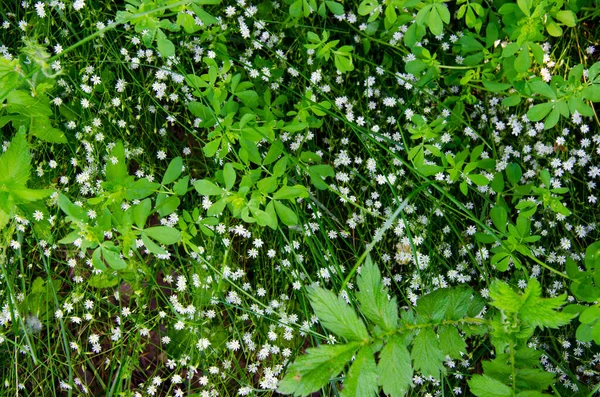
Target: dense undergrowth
[{"x": 232, "y": 198}]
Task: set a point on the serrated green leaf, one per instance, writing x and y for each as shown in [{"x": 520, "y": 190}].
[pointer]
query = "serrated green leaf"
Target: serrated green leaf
[
  {"x": 361, "y": 380},
  {"x": 373, "y": 297},
  {"x": 485, "y": 386},
  {"x": 312, "y": 371},
  {"x": 394, "y": 368},
  {"x": 173, "y": 171},
  {"x": 452, "y": 343},
  {"x": 427, "y": 354},
  {"x": 336, "y": 315},
  {"x": 15, "y": 163}
]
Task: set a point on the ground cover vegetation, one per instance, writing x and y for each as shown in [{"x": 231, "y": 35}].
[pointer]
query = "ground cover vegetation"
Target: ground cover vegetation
[{"x": 301, "y": 197}]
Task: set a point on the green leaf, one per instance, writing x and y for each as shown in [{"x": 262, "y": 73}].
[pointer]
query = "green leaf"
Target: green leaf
[
  {"x": 287, "y": 216},
  {"x": 590, "y": 314},
  {"x": 485, "y": 386},
  {"x": 336, "y": 315},
  {"x": 42, "y": 129},
  {"x": 180, "y": 187},
  {"x": 165, "y": 46},
  {"x": 152, "y": 246},
  {"x": 295, "y": 126},
  {"x": 361, "y": 380},
  {"x": 539, "y": 111},
  {"x": 248, "y": 98},
  {"x": 494, "y": 86},
  {"x": 71, "y": 209},
  {"x": 290, "y": 192},
  {"x": 113, "y": 259},
  {"x": 274, "y": 152},
  {"x": 499, "y": 218},
  {"x": 311, "y": 372},
  {"x": 513, "y": 173},
  {"x": 164, "y": 234},
  {"x": 97, "y": 259},
  {"x": 427, "y": 354},
  {"x": 207, "y": 188},
  {"x": 452, "y": 343},
  {"x": 394, "y": 368},
  {"x": 592, "y": 93},
  {"x": 335, "y": 8},
  {"x": 435, "y": 22},
  {"x": 15, "y": 163},
  {"x": 567, "y": 17},
  {"x": 141, "y": 212},
  {"x": 478, "y": 179},
  {"x": 173, "y": 171},
  {"x": 373, "y": 297},
  {"x": 229, "y": 176}
]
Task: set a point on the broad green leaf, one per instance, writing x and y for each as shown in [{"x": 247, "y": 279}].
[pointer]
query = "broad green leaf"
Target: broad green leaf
[
  {"x": 590, "y": 314},
  {"x": 290, "y": 193},
  {"x": 217, "y": 208},
  {"x": 451, "y": 342},
  {"x": 539, "y": 111},
  {"x": 373, "y": 297},
  {"x": 15, "y": 163},
  {"x": 71, "y": 209},
  {"x": 592, "y": 93},
  {"x": 165, "y": 46},
  {"x": 312, "y": 371},
  {"x": 319, "y": 172},
  {"x": 361, "y": 379},
  {"x": 513, "y": 173},
  {"x": 335, "y": 8},
  {"x": 141, "y": 212},
  {"x": 485, "y": 386},
  {"x": 287, "y": 216},
  {"x": 336, "y": 315},
  {"x": 394, "y": 368},
  {"x": 478, "y": 179},
  {"x": 435, "y": 22},
  {"x": 41, "y": 127},
  {"x": 164, "y": 234},
  {"x": 113, "y": 259},
  {"x": 274, "y": 152},
  {"x": 180, "y": 187},
  {"x": 152, "y": 246},
  {"x": 97, "y": 259},
  {"x": 173, "y": 171},
  {"x": 567, "y": 17},
  {"x": 168, "y": 205},
  {"x": 229, "y": 176},
  {"x": 427, "y": 354},
  {"x": 499, "y": 218},
  {"x": 494, "y": 86},
  {"x": 248, "y": 98},
  {"x": 295, "y": 126},
  {"x": 207, "y": 188}
]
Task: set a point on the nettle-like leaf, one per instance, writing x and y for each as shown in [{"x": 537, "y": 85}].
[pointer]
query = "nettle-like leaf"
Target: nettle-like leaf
[
  {"x": 361, "y": 380},
  {"x": 427, "y": 353},
  {"x": 529, "y": 306},
  {"x": 394, "y": 368},
  {"x": 336, "y": 315},
  {"x": 312, "y": 371},
  {"x": 374, "y": 302}
]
